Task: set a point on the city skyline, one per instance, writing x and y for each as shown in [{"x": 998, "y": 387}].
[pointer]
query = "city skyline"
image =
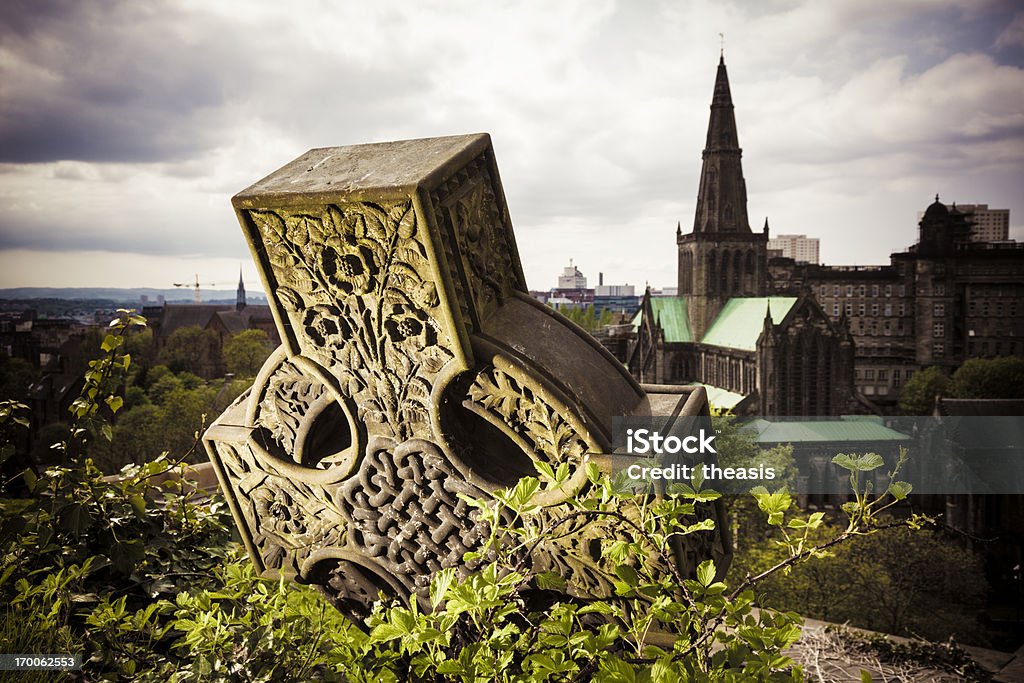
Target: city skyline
[{"x": 124, "y": 131}]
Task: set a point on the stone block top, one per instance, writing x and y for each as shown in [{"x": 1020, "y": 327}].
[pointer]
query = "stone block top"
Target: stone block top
[{"x": 366, "y": 172}]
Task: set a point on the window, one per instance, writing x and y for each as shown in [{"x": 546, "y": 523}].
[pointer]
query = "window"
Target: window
[
  {"x": 824, "y": 290},
  {"x": 888, "y": 331},
  {"x": 882, "y": 375},
  {"x": 939, "y": 309},
  {"x": 939, "y": 329},
  {"x": 849, "y": 310},
  {"x": 888, "y": 310},
  {"x": 938, "y": 349},
  {"x": 860, "y": 290},
  {"x": 888, "y": 290},
  {"x": 940, "y": 290},
  {"x": 860, "y": 309},
  {"x": 869, "y": 374},
  {"x": 835, "y": 290},
  {"x": 849, "y": 290},
  {"x": 902, "y": 290},
  {"x": 903, "y": 309},
  {"x": 874, "y": 290},
  {"x": 874, "y": 309},
  {"x": 856, "y": 373},
  {"x": 835, "y": 310}
]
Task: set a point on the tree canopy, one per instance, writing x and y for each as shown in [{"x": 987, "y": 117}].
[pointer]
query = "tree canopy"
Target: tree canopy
[{"x": 245, "y": 352}]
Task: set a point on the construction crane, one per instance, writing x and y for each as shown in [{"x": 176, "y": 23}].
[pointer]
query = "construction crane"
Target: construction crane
[{"x": 198, "y": 299}]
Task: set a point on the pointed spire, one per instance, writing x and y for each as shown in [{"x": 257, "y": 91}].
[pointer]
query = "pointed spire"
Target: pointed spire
[
  {"x": 766, "y": 225},
  {"x": 722, "y": 196},
  {"x": 240, "y": 294}
]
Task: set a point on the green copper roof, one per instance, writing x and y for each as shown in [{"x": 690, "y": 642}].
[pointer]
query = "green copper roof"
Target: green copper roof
[
  {"x": 671, "y": 312},
  {"x": 721, "y": 398},
  {"x": 831, "y": 430},
  {"x": 739, "y": 323}
]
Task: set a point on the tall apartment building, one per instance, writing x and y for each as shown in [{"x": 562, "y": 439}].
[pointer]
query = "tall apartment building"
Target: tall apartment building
[
  {"x": 988, "y": 225},
  {"x": 800, "y": 248}
]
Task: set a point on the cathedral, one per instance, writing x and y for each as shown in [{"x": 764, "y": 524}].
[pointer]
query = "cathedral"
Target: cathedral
[{"x": 755, "y": 353}]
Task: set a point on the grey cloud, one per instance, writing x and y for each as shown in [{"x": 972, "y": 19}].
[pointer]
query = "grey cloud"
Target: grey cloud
[{"x": 147, "y": 82}]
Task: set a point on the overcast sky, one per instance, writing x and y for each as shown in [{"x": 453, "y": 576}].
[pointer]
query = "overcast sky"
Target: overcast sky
[{"x": 125, "y": 127}]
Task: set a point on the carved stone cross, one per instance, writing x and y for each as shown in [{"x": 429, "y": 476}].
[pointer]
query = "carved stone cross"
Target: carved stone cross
[{"x": 414, "y": 366}]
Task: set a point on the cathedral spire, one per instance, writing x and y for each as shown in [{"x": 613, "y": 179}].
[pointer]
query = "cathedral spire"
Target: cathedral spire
[
  {"x": 722, "y": 196},
  {"x": 240, "y": 294}
]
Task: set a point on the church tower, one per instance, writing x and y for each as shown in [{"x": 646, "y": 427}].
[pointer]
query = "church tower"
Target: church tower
[
  {"x": 240, "y": 294},
  {"x": 722, "y": 257}
]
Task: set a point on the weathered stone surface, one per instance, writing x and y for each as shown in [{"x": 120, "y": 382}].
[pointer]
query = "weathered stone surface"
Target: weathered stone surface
[{"x": 414, "y": 367}]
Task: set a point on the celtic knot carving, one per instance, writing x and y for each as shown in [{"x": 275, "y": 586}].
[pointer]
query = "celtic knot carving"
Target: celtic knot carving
[
  {"x": 549, "y": 436},
  {"x": 355, "y": 282},
  {"x": 404, "y": 511}
]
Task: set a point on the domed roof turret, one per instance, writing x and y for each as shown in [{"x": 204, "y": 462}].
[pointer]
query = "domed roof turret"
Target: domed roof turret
[{"x": 936, "y": 210}]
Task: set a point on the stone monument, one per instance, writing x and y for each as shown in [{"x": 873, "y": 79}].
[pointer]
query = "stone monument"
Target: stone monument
[{"x": 414, "y": 367}]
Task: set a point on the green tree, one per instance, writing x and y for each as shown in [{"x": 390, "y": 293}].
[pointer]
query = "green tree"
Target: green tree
[
  {"x": 913, "y": 583},
  {"x": 245, "y": 352},
  {"x": 917, "y": 397},
  {"x": 588, "y": 320},
  {"x": 192, "y": 349},
  {"x": 989, "y": 378},
  {"x": 16, "y": 374}
]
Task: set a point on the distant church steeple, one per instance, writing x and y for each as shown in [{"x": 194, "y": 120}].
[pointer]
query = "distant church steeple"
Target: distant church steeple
[{"x": 240, "y": 295}]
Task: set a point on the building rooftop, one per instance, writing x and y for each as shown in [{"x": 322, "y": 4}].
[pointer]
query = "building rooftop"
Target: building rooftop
[
  {"x": 828, "y": 430},
  {"x": 741, "y": 320},
  {"x": 671, "y": 312}
]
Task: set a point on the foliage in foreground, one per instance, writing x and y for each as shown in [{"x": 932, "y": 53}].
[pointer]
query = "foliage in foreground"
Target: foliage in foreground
[{"x": 141, "y": 580}]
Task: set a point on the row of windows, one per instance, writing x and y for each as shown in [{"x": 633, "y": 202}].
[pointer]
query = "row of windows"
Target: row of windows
[
  {"x": 882, "y": 375},
  {"x": 983, "y": 308},
  {"x": 862, "y": 290},
  {"x": 886, "y": 310}
]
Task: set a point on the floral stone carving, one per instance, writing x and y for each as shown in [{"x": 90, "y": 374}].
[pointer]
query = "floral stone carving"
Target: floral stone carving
[{"x": 414, "y": 367}]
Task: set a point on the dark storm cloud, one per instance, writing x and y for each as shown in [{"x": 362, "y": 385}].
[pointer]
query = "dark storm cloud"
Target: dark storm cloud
[
  {"x": 143, "y": 82},
  {"x": 99, "y": 81}
]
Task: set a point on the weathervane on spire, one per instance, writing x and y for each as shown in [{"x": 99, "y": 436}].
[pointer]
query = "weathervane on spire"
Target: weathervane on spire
[{"x": 721, "y": 48}]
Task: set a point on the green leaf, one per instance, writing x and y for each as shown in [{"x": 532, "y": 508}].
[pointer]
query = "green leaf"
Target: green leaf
[
  {"x": 900, "y": 489},
  {"x": 706, "y": 573},
  {"x": 382, "y": 633},
  {"x": 865, "y": 677},
  {"x": 138, "y": 504},
  {"x": 550, "y": 581},
  {"x": 627, "y": 574},
  {"x": 75, "y": 519},
  {"x": 115, "y": 403},
  {"x": 111, "y": 342},
  {"x": 440, "y": 584},
  {"x": 862, "y": 463}
]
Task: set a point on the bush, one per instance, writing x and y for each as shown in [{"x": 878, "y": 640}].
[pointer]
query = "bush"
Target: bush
[{"x": 143, "y": 580}]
